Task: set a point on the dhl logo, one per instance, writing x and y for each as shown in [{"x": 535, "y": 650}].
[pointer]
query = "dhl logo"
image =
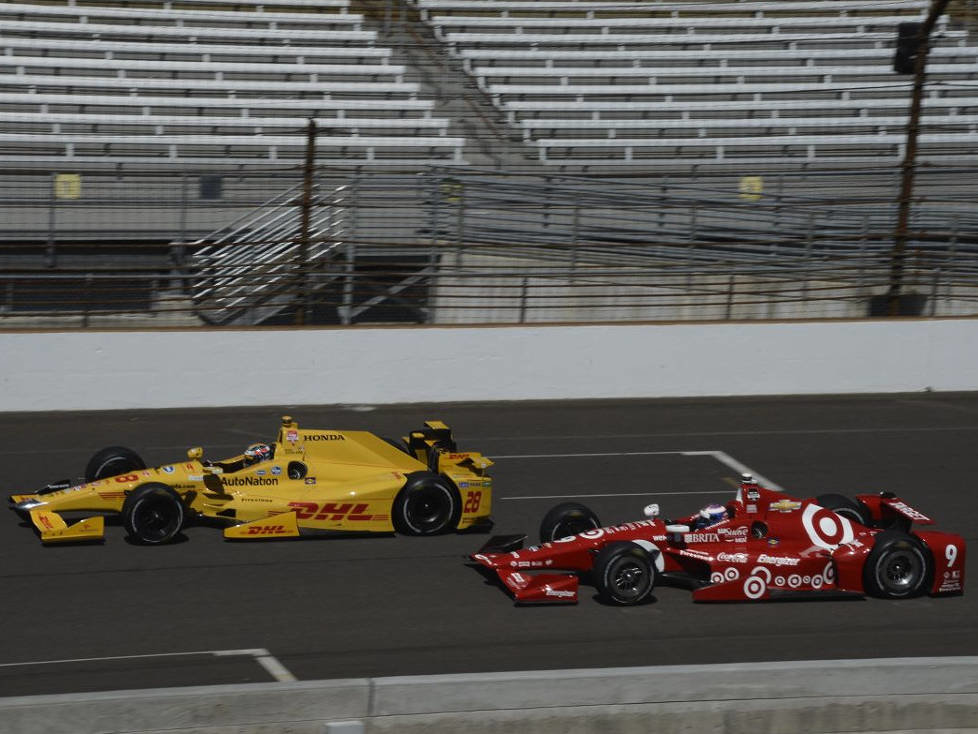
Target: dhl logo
[
  {"x": 268, "y": 530},
  {"x": 330, "y": 511}
]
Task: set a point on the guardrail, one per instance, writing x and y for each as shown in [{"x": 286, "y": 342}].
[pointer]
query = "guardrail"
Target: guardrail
[{"x": 895, "y": 694}]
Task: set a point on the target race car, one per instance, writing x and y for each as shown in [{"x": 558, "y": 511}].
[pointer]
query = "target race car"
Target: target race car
[
  {"x": 762, "y": 545},
  {"x": 306, "y": 482}
]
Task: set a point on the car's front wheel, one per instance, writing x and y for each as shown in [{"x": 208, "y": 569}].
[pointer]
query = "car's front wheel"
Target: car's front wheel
[
  {"x": 153, "y": 514},
  {"x": 428, "y": 504},
  {"x": 566, "y": 519},
  {"x": 898, "y": 566},
  {"x": 623, "y": 573}
]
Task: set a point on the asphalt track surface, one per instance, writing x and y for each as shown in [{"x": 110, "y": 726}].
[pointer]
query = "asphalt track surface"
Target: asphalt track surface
[{"x": 207, "y": 611}]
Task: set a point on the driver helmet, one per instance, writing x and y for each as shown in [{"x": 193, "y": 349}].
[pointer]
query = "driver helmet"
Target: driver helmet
[
  {"x": 257, "y": 452},
  {"x": 711, "y": 515}
]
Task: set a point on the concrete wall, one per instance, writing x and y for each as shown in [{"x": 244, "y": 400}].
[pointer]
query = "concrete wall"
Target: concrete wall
[
  {"x": 900, "y": 694},
  {"x": 82, "y": 370}
]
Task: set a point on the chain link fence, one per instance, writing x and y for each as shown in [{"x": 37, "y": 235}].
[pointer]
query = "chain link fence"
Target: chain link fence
[{"x": 451, "y": 247}]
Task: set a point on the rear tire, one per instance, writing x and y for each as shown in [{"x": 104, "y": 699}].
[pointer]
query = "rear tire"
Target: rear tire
[
  {"x": 623, "y": 573},
  {"x": 846, "y": 507},
  {"x": 111, "y": 462},
  {"x": 566, "y": 519},
  {"x": 428, "y": 504},
  {"x": 152, "y": 514},
  {"x": 898, "y": 566}
]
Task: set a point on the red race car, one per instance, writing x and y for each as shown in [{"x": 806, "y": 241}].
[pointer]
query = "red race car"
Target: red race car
[{"x": 761, "y": 545}]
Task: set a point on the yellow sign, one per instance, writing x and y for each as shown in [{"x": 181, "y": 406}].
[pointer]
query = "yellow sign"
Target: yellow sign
[
  {"x": 67, "y": 186},
  {"x": 751, "y": 187},
  {"x": 451, "y": 189}
]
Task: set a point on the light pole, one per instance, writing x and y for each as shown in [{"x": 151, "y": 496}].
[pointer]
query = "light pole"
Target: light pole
[{"x": 898, "y": 254}]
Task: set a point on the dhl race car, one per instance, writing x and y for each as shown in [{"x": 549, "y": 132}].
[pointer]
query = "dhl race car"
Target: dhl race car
[
  {"x": 762, "y": 545},
  {"x": 306, "y": 482}
]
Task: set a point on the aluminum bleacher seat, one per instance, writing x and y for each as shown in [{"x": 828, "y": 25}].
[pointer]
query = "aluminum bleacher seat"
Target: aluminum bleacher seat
[
  {"x": 175, "y": 17},
  {"x": 189, "y": 83},
  {"x": 90, "y": 48},
  {"x": 592, "y": 82},
  {"x": 200, "y": 149},
  {"x": 205, "y": 106}
]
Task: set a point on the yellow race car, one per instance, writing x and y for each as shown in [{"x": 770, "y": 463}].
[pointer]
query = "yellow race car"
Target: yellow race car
[{"x": 306, "y": 482}]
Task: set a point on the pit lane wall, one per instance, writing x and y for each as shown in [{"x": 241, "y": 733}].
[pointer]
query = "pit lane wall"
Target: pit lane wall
[
  {"x": 91, "y": 370},
  {"x": 889, "y": 695}
]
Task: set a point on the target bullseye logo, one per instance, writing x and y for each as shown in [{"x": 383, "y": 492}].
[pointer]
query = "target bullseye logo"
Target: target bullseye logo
[
  {"x": 755, "y": 585},
  {"x": 826, "y": 529}
]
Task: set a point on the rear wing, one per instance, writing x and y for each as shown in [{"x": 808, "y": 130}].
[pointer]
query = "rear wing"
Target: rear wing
[
  {"x": 886, "y": 508},
  {"x": 435, "y": 446}
]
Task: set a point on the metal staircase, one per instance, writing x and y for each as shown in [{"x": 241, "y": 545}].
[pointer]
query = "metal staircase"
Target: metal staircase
[{"x": 264, "y": 262}]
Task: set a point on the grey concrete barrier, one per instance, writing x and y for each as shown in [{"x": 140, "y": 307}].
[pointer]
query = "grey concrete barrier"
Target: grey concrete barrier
[{"x": 887, "y": 695}]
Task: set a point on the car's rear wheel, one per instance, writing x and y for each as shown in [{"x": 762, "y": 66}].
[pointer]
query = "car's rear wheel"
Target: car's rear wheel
[
  {"x": 846, "y": 507},
  {"x": 623, "y": 573},
  {"x": 428, "y": 504},
  {"x": 153, "y": 514},
  {"x": 112, "y": 461},
  {"x": 898, "y": 566},
  {"x": 566, "y": 519}
]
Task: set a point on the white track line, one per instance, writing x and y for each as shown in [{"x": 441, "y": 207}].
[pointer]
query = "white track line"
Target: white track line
[
  {"x": 261, "y": 656},
  {"x": 720, "y": 456},
  {"x": 587, "y": 456},
  {"x": 624, "y": 494},
  {"x": 275, "y": 669},
  {"x": 737, "y": 467}
]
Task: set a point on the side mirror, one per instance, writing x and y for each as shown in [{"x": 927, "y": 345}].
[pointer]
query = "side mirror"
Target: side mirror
[
  {"x": 195, "y": 453},
  {"x": 652, "y": 511}
]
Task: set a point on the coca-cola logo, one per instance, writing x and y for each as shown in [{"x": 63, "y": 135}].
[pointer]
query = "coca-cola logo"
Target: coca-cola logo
[{"x": 732, "y": 557}]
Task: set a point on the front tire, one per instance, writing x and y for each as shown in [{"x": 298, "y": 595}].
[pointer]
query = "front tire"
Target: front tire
[
  {"x": 428, "y": 504},
  {"x": 898, "y": 566},
  {"x": 846, "y": 507},
  {"x": 111, "y": 462},
  {"x": 566, "y": 519},
  {"x": 152, "y": 514},
  {"x": 624, "y": 574}
]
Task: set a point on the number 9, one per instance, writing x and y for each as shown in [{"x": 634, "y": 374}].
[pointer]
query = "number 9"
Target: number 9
[{"x": 951, "y": 554}]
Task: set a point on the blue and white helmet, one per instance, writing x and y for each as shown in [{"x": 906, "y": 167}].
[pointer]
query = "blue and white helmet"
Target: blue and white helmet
[{"x": 711, "y": 515}]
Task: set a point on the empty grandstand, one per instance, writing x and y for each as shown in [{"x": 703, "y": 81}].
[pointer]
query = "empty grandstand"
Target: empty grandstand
[{"x": 451, "y": 161}]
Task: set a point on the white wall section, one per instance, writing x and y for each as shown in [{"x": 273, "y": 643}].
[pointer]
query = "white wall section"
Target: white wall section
[{"x": 91, "y": 370}]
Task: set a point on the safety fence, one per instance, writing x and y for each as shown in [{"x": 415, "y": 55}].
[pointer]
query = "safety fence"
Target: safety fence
[{"x": 443, "y": 247}]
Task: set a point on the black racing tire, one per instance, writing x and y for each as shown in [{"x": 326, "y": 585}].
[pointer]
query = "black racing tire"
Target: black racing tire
[
  {"x": 624, "y": 574},
  {"x": 111, "y": 462},
  {"x": 898, "y": 567},
  {"x": 428, "y": 504},
  {"x": 153, "y": 514},
  {"x": 566, "y": 519},
  {"x": 846, "y": 507}
]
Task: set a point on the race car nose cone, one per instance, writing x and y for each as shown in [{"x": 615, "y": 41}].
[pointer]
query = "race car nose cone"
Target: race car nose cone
[{"x": 28, "y": 505}]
